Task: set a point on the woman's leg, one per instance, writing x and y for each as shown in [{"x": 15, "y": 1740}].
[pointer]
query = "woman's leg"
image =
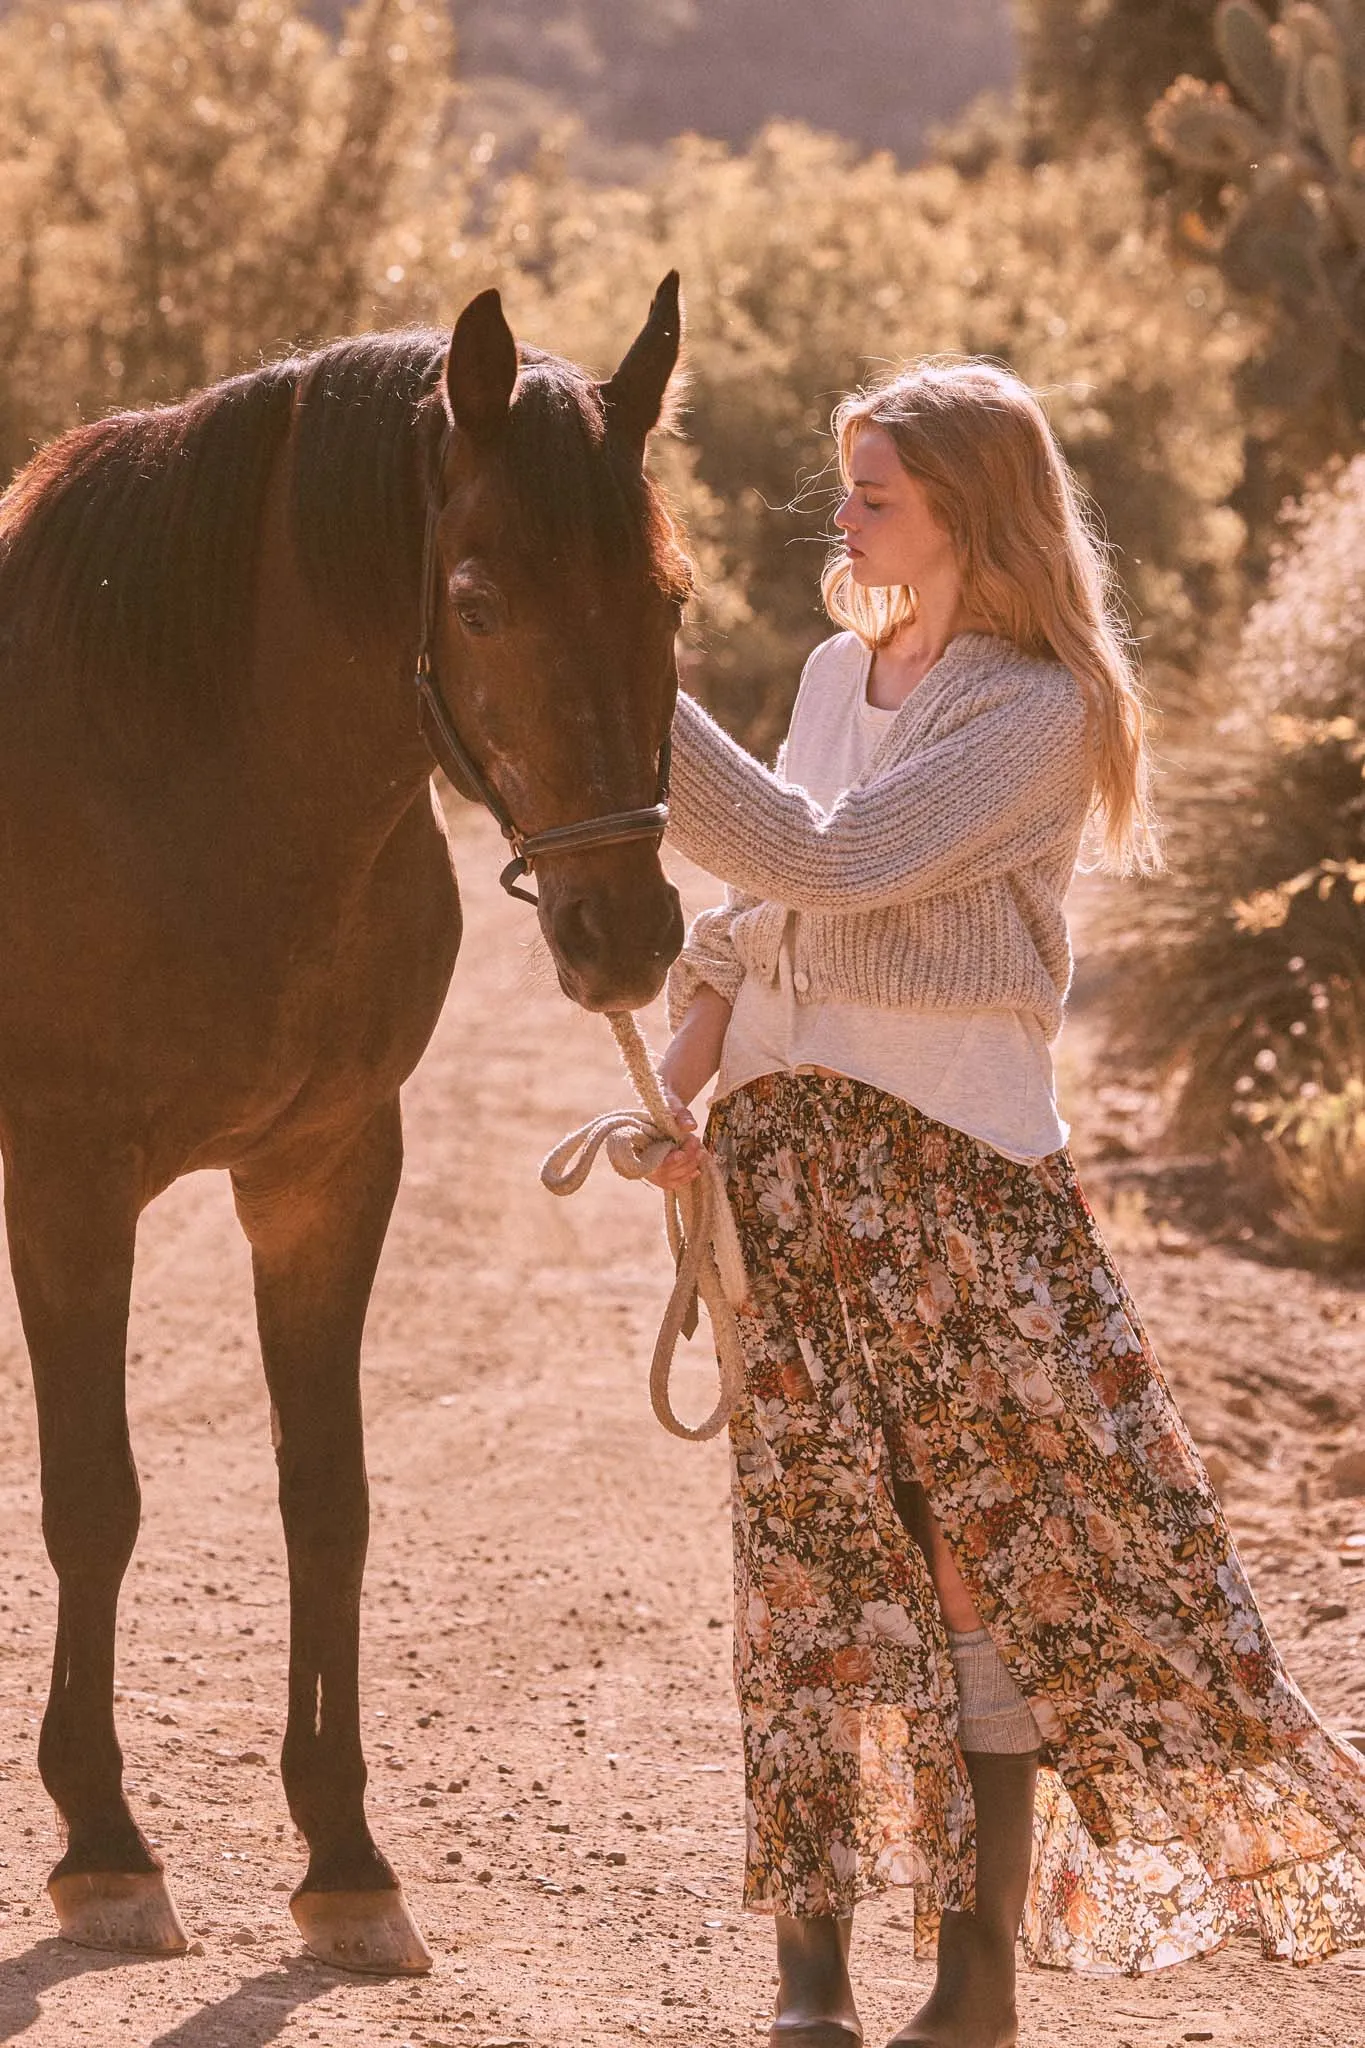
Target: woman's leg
[
  {"x": 972, "y": 2004},
  {"x": 912, "y": 1505},
  {"x": 837, "y": 1617},
  {"x": 802, "y": 1785}
]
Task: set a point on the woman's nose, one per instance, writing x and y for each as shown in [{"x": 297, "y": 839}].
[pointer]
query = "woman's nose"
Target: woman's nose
[{"x": 842, "y": 517}]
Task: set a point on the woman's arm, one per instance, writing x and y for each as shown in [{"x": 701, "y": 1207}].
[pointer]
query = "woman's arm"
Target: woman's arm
[
  {"x": 693, "y": 1056},
  {"x": 694, "y": 1050},
  {"x": 989, "y": 796},
  {"x": 708, "y": 958}
]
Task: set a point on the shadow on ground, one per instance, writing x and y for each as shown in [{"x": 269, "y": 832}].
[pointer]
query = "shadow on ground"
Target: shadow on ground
[
  {"x": 256, "y": 2012},
  {"x": 43, "y": 1967},
  {"x": 250, "y": 2016}
]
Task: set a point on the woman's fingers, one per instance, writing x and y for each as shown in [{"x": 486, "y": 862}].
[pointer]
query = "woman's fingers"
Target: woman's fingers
[
  {"x": 684, "y": 1162},
  {"x": 682, "y": 1115},
  {"x": 682, "y": 1165}
]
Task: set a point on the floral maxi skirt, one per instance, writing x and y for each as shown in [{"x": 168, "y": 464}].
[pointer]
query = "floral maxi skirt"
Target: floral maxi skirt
[{"x": 923, "y": 1309}]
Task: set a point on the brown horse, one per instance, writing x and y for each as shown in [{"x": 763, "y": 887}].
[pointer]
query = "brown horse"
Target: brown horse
[{"x": 228, "y": 920}]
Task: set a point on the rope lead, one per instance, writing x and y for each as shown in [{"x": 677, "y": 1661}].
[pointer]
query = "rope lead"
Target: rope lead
[{"x": 701, "y": 1229}]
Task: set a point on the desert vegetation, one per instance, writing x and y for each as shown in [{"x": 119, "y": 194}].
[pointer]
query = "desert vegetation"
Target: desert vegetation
[{"x": 1163, "y": 230}]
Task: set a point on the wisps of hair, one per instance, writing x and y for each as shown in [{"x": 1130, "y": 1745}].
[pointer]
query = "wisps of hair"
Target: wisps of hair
[{"x": 1035, "y": 568}]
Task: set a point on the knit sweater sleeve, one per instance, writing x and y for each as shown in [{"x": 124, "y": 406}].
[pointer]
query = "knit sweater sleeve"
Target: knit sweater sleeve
[
  {"x": 708, "y": 958},
  {"x": 988, "y": 796}
]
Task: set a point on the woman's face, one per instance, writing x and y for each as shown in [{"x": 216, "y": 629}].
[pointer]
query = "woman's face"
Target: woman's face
[{"x": 891, "y": 533}]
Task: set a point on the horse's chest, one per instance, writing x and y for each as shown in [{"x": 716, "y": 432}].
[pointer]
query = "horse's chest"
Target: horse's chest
[
  {"x": 232, "y": 998},
  {"x": 353, "y": 989}
]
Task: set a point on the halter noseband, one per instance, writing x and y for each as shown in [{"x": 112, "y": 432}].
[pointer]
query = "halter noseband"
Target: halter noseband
[{"x": 438, "y": 730}]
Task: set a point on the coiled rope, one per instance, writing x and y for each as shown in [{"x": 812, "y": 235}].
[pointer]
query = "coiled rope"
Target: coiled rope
[{"x": 697, "y": 1217}]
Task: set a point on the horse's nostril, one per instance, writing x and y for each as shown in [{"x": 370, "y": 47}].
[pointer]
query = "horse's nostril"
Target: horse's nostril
[
  {"x": 604, "y": 932},
  {"x": 578, "y": 926},
  {"x": 668, "y": 930}
]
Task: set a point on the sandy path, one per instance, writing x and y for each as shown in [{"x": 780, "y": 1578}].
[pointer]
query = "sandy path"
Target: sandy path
[{"x": 551, "y": 1735}]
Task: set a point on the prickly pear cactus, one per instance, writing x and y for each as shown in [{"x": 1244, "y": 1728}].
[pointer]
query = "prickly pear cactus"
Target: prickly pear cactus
[
  {"x": 1246, "y": 44},
  {"x": 1275, "y": 179}
]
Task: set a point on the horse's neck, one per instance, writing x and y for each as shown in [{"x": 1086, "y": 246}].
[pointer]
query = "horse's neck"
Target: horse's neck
[{"x": 328, "y": 733}]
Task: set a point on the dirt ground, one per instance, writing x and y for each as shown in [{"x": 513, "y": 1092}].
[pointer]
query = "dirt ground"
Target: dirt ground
[{"x": 552, "y": 1741}]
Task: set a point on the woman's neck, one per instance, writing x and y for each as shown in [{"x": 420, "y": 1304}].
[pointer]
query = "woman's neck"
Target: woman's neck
[{"x": 915, "y": 648}]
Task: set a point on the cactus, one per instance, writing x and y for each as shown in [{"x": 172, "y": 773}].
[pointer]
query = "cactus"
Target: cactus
[
  {"x": 1300, "y": 362},
  {"x": 1313, "y": 31},
  {"x": 1286, "y": 223},
  {"x": 1250, "y": 57},
  {"x": 1327, "y": 100},
  {"x": 1272, "y": 247},
  {"x": 1348, "y": 19},
  {"x": 1202, "y": 127}
]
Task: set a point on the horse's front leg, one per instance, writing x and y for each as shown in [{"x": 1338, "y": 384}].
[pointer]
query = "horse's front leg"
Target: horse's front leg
[
  {"x": 316, "y": 1228},
  {"x": 71, "y": 1207}
]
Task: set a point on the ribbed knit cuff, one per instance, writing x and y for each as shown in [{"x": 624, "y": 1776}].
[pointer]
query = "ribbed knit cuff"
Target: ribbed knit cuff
[{"x": 688, "y": 974}]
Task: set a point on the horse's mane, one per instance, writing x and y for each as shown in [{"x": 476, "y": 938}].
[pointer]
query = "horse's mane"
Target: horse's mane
[{"x": 128, "y": 547}]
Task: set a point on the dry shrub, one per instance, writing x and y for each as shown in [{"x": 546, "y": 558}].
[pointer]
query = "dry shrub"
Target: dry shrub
[
  {"x": 1098, "y": 63},
  {"x": 193, "y": 183},
  {"x": 187, "y": 184},
  {"x": 1318, "y": 1160},
  {"x": 1242, "y": 974},
  {"x": 807, "y": 269}
]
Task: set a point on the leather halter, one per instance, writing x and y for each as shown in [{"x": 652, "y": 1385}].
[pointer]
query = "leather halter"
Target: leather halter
[{"x": 438, "y": 730}]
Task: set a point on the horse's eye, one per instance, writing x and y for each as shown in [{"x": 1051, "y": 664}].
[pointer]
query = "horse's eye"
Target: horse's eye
[{"x": 476, "y": 618}]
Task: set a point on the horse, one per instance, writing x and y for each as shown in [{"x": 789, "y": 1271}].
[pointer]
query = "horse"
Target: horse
[{"x": 229, "y": 917}]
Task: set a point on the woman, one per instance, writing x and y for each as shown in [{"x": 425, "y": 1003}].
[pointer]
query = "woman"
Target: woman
[{"x": 971, "y": 1529}]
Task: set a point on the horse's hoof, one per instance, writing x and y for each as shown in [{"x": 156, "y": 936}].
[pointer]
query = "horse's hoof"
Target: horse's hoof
[
  {"x": 131, "y": 1912},
  {"x": 370, "y": 1931}
]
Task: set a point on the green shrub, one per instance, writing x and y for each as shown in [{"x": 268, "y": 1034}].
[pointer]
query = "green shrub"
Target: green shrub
[{"x": 1241, "y": 976}]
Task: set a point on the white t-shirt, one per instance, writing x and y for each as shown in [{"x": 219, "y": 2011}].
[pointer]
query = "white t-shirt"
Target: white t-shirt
[{"x": 985, "y": 1072}]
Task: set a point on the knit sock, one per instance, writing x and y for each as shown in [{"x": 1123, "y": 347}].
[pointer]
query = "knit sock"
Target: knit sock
[{"x": 993, "y": 1715}]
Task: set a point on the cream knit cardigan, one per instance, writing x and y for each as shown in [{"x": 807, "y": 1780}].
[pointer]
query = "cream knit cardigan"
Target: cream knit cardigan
[{"x": 937, "y": 881}]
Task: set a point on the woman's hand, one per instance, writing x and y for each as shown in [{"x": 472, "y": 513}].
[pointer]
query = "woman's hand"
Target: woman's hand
[
  {"x": 690, "y": 1061},
  {"x": 684, "y": 1162}
]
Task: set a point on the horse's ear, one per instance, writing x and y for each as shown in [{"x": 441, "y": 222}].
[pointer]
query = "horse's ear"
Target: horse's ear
[
  {"x": 634, "y": 397},
  {"x": 481, "y": 367}
]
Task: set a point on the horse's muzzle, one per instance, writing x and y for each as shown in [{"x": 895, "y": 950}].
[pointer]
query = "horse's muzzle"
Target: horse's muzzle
[{"x": 613, "y": 945}]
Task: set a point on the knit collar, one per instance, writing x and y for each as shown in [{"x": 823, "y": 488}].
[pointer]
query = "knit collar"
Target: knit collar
[{"x": 964, "y": 658}]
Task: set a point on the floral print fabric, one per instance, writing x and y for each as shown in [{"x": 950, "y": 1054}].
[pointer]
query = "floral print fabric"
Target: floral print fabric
[{"x": 924, "y": 1309}]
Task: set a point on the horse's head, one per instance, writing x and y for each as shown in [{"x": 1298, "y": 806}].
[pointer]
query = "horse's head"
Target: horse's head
[{"x": 557, "y": 587}]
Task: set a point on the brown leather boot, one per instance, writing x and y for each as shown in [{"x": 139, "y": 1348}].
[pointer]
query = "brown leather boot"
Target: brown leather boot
[
  {"x": 815, "y": 2006},
  {"x": 972, "y": 2002}
]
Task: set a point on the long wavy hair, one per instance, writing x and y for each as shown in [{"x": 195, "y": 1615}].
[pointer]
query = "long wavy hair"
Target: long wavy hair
[{"x": 1035, "y": 569}]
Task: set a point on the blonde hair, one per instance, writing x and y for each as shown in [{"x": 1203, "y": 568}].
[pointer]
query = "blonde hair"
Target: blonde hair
[{"x": 1034, "y": 568}]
